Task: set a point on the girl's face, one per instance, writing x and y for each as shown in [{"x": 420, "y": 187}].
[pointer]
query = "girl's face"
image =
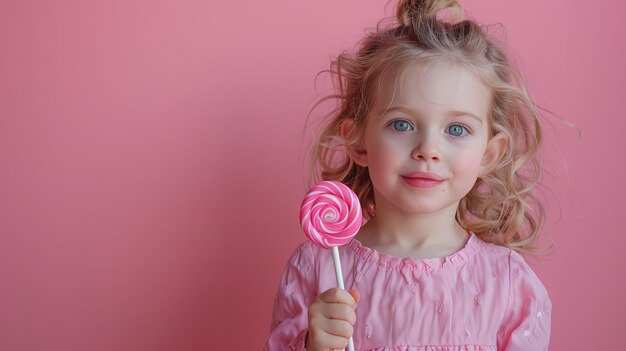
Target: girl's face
[{"x": 431, "y": 124}]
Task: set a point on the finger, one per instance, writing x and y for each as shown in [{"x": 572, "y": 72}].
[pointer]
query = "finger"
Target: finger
[
  {"x": 355, "y": 294},
  {"x": 339, "y": 311},
  {"x": 336, "y": 295},
  {"x": 338, "y": 327},
  {"x": 328, "y": 341}
]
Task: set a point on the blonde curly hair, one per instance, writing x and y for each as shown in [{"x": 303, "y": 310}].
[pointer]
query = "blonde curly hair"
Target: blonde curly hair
[{"x": 501, "y": 208}]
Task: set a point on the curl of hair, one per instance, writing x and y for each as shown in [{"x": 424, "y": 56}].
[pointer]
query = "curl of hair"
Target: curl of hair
[{"x": 501, "y": 208}]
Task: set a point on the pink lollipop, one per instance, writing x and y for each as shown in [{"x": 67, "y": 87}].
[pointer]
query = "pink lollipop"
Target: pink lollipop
[{"x": 330, "y": 216}]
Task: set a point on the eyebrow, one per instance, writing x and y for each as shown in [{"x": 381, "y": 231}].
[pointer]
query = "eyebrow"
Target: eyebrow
[{"x": 453, "y": 113}]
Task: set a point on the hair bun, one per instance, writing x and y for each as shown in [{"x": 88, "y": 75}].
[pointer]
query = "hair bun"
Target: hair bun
[{"x": 409, "y": 11}]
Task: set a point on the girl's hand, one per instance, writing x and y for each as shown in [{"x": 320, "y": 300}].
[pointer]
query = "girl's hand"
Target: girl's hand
[{"x": 331, "y": 319}]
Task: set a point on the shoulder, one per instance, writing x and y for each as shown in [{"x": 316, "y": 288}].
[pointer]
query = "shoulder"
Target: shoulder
[
  {"x": 506, "y": 257},
  {"x": 509, "y": 265},
  {"x": 494, "y": 258},
  {"x": 303, "y": 256},
  {"x": 492, "y": 251},
  {"x": 513, "y": 265},
  {"x": 305, "y": 248},
  {"x": 518, "y": 264},
  {"x": 524, "y": 282},
  {"x": 309, "y": 270},
  {"x": 299, "y": 272},
  {"x": 525, "y": 289}
]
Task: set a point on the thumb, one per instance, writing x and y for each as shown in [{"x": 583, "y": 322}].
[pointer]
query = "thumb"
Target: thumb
[{"x": 355, "y": 294}]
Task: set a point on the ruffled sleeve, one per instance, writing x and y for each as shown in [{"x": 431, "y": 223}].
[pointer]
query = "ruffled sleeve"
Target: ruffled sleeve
[
  {"x": 296, "y": 291},
  {"x": 526, "y": 324}
]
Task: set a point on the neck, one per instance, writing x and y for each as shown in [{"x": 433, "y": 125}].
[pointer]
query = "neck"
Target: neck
[{"x": 392, "y": 227}]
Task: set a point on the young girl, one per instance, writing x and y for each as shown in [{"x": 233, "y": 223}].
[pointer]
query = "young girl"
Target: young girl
[{"x": 438, "y": 138}]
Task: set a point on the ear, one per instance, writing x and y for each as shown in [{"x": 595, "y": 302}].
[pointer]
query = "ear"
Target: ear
[
  {"x": 356, "y": 152},
  {"x": 493, "y": 153}
]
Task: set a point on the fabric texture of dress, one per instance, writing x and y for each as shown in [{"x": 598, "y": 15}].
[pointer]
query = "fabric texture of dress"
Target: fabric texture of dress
[{"x": 482, "y": 297}]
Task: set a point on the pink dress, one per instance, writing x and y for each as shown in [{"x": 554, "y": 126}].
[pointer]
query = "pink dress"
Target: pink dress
[{"x": 483, "y": 297}]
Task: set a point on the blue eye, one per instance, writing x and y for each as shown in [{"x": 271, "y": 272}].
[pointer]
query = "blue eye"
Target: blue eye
[
  {"x": 456, "y": 129},
  {"x": 401, "y": 126}
]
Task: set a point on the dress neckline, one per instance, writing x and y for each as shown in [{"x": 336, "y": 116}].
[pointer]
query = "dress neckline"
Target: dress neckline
[{"x": 428, "y": 264}]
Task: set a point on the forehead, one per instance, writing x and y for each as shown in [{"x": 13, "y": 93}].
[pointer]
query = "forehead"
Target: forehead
[{"x": 429, "y": 86}]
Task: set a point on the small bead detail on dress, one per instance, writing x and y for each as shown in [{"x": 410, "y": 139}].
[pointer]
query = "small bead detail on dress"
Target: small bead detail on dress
[{"x": 439, "y": 306}]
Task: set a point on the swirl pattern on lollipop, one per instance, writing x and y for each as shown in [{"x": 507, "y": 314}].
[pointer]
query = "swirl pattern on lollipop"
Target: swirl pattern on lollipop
[{"x": 330, "y": 214}]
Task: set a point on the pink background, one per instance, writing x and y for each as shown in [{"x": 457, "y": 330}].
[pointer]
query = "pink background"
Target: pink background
[{"x": 151, "y": 163}]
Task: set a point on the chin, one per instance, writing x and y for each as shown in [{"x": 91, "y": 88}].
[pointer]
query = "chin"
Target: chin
[
  {"x": 422, "y": 210},
  {"x": 429, "y": 208}
]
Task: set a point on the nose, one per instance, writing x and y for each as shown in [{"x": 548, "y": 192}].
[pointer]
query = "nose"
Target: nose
[{"x": 426, "y": 148}]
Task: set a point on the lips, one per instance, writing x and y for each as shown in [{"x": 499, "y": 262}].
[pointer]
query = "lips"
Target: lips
[
  {"x": 423, "y": 175},
  {"x": 422, "y": 179}
]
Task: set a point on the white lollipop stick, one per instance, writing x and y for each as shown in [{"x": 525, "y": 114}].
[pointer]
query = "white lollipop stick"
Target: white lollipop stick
[{"x": 339, "y": 276}]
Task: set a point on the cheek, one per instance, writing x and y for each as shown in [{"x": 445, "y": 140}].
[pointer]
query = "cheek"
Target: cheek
[
  {"x": 387, "y": 150},
  {"x": 385, "y": 158},
  {"x": 465, "y": 170},
  {"x": 469, "y": 162},
  {"x": 468, "y": 154},
  {"x": 466, "y": 164},
  {"x": 381, "y": 160}
]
